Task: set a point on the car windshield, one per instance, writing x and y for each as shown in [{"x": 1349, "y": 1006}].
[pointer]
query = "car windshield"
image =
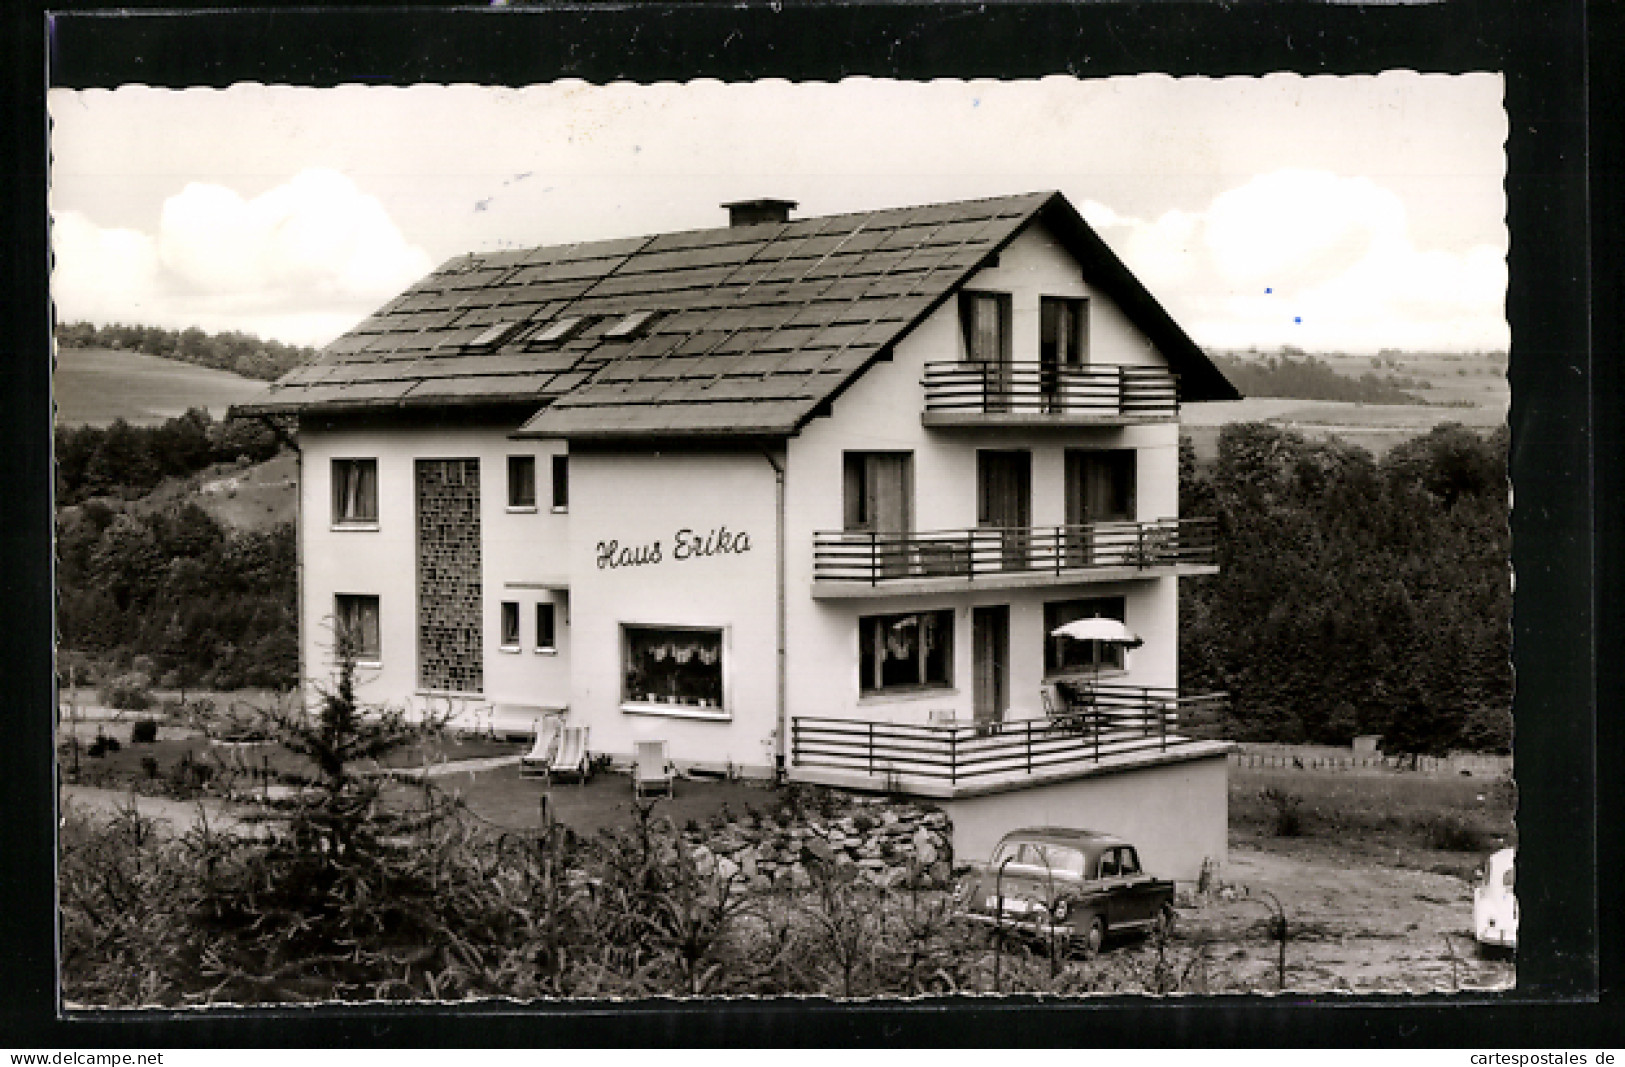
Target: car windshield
[{"x": 1042, "y": 858}]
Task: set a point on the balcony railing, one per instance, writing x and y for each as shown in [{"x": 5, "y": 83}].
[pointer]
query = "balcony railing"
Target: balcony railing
[
  {"x": 873, "y": 558},
  {"x": 975, "y": 391},
  {"x": 1120, "y": 724}
]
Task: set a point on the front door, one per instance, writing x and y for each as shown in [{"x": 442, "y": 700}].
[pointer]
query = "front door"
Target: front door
[
  {"x": 990, "y": 628},
  {"x": 1004, "y": 482}
]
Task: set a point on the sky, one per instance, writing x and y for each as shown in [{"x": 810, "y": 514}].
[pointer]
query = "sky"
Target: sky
[{"x": 1333, "y": 213}]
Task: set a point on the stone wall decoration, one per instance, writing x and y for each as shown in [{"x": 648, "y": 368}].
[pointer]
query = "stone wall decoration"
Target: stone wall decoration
[{"x": 450, "y": 589}]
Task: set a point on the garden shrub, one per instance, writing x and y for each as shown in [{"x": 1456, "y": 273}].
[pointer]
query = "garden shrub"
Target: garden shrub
[
  {"x": 144, "y": 732},
  {"x": 128, "y": 692},
  {"x": 1286, "y": 818}
]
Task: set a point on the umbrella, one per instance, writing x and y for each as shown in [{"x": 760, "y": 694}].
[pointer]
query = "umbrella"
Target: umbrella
[
  {"x": 1104, "y": 631},
  {"x": 1108, "y": 631}
]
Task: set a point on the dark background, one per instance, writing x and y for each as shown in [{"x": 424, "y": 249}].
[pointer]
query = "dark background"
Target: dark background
[{"x": 1565, "y": 426}]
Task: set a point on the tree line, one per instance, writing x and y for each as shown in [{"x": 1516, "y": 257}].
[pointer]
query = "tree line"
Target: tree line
[
  {"x": 239, "y": 353},
  {"x": 1355, "y": 596},
  {"x": 1299, "y": 376},
  {"x": 174, "y": 591},
  {"x": 128, "y": 461}
]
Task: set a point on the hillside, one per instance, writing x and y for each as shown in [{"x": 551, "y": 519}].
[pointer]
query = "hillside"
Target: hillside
[{"x": 95, "y": 386}]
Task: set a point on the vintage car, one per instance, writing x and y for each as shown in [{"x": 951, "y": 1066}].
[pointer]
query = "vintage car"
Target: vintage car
[
  {"x": 1076, "y": 886},
  {"x": 1495, "y": 908}
]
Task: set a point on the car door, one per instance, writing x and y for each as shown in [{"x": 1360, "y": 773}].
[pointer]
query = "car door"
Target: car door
[
  {"x": 1119, "y": 905},
  {"x": 1139, "y": 888}
]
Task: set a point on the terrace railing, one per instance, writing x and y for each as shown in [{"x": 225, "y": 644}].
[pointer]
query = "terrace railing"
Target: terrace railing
[
  {"x": 873, "y": 558},
  {"x": 1119, "y": 722},
  {"x": 977, "y": 388}
]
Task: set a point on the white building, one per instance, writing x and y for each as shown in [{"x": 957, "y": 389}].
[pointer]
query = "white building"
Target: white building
[{"x": 803, "y": 496}]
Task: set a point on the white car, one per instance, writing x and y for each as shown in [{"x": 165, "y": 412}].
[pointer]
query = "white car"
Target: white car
[{"x": 1495, "y": 907}]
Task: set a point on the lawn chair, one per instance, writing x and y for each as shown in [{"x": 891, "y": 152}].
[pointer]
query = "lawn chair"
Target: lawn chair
[
  {"x": 571, "y": 757},
  {"x": 535, "y": 763},
  {"x": 652, "y": 769}
]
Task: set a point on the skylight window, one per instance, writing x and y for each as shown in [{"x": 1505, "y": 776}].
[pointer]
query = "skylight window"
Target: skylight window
[
  {"x": 631, "y": 326},
  {"x": 562, "y": 330},
  {"x": 494, "y": 334}
]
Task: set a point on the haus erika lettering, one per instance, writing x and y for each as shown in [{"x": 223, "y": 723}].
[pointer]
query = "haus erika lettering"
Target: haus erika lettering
[{"x": 686, "y": 544}]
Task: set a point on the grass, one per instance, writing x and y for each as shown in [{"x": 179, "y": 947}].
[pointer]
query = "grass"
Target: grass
[
  {"x": 95, "y": 386},
  {"x": 1415, "y": 812}
]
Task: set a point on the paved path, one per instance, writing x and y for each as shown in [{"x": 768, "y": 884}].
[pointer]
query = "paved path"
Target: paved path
[{"x": 179, "y": 815}]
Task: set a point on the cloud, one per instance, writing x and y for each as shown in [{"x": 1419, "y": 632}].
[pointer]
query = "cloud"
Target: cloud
[
  {"x": 300, "y": 263},
  {"x": 1312, "y": 259}
]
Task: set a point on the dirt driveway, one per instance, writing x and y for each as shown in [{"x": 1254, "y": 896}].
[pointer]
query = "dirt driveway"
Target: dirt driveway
[{"x": 1353, "y": 925}]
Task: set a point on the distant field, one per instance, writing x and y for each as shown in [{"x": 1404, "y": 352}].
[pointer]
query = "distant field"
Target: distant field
[
  {"x": 1464, "y": 388},
  {"x": 95, "y": 386}
]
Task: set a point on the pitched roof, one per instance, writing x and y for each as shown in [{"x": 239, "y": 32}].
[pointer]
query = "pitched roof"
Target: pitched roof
[{"x": 752, "y": 327}]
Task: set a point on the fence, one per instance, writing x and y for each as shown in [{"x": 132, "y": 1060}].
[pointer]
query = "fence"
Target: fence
[
  {"x": 1027, "y": 388},
  {"x": 874, "y": 557},
  {"x": 1473, "y": 763}
]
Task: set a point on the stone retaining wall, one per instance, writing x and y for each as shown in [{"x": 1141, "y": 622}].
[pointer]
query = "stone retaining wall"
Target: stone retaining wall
[{"x": 882, "y": 843}]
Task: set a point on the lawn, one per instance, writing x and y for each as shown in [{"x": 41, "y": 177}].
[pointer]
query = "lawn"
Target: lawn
[{"x": 95, "y": 386}]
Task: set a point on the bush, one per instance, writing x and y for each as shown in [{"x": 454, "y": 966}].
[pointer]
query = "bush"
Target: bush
[
  {"x": 1286, "y": 812},
  {"x": 144, "y": 732},
  {"x": 1450, "y": 833},
  {"x": 128, "y": 692},
  {"x": 103, "y": 745}
]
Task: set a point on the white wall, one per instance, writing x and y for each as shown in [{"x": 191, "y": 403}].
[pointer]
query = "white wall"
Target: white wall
[
  {"x": 882, "y": 412},
  {"x": 1175, "y": 814},
  {"x": 518, "y": 548},
  {"x": 639, "y": 500}
]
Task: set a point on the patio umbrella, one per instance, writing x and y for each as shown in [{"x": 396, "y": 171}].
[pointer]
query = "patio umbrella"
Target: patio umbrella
[{"x": 1102, "y": 631}]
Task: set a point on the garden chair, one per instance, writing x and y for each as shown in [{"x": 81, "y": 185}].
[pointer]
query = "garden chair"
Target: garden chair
[
  {"x": 535, "y": 763},
  {"x": 652, "y": 769},
  {"x": 571, "y": 757}
]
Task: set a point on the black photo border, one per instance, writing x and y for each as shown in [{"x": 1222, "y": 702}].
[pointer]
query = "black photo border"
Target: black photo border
[{"x": 1565, "y": 623}]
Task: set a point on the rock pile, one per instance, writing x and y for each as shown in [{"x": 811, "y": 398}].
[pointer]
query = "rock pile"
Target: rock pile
[{"x": 883, "y": 844}]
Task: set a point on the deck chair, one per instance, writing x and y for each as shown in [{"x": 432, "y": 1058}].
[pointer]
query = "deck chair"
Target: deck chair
[
  {"x": 651, "y": 769},
  {"x": 535, "y": 763},
  {"x": 571, "y": 757}
]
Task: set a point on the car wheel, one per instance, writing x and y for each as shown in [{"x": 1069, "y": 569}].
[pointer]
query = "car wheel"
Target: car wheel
[
  {"x": 1094, "y": 936},
  {"x": 1164, "y": 927}
]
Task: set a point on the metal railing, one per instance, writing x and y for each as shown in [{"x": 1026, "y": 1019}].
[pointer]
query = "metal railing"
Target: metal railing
[
  {"x": 875, "y": 557},
  {"x": 1029, "y": 388},
  {"x": 1123, "y": 722}
]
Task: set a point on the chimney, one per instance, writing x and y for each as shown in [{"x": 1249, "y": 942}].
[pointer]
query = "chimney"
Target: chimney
[{"x": 756, "y": 212}]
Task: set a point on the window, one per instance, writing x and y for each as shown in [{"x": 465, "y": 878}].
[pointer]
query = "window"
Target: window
[
  {"x": 522, "y": 482},
  {"x": 633, "y": 325},
  {"x": 355, "y": 619},
  {"x": 1041, "y": 859},
  {"x": 494, "y": 335},
  {"x": 510, "y": 625},
  {"x": 561, "y": 483},
  {"x": 562, "y": 330},
  {"x": 1063, "y": 655},
  {"x": 546, "y": 641},
  {"x": 1063, "y": 332},
  {"x": 355, "y": 492},
  {"x": 1099, "y": 485},
  {"x": 676, "y": 667},
  {"x": 985, "y": 320},
  {"x": 1128, "y": 861},
  {"x": 878, "y": 491},
  {"x": 905, "y": 651}
]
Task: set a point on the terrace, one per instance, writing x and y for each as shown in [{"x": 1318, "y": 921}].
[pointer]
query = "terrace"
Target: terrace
[
  {"x": 859, "y": 564},
  {"x": 1115, "y": 728},
  {"x": 1008, "y": 393}
]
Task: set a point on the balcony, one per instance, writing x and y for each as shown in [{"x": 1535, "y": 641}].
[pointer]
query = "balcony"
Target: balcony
[
  {"x": 1120, "y": 726},
  {"x": 858, "y": 564},
  {"x": 1031, "y": 394}
]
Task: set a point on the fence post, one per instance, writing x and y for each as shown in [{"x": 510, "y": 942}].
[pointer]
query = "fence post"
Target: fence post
[
  {"x": 874, "y": 558},
  {"x": 1029, "y": 746},
  {"x": 970, "y": 553},
  {"x": 871, "y": 748},
  {"x": 953, "y": 755}
]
